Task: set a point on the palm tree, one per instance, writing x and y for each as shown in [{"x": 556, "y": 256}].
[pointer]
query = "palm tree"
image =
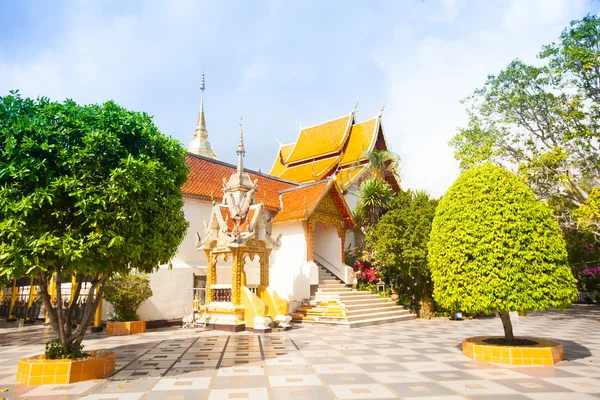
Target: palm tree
[
  {"x": 375, "y": 196},
  {"x": 382, "y": 160}
]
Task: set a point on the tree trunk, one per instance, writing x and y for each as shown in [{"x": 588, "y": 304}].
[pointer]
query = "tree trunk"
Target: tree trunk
[
  {"x": 508, "y": 329},
  {"x": 61, "y": 320}
]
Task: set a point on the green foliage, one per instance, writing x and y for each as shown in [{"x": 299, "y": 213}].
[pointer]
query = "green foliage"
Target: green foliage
[
  {"x": 127, "y": 293},
  {"x": 494, "y": 248},
  {"x": 56, "y": 351},
  {"x": 544, "y": 121},
  {"x": 382, "y": 161},
  {"x": 398, "y": 243},
  {"x": 85, "y": 190},
  {"x": 375, "y": 197}
]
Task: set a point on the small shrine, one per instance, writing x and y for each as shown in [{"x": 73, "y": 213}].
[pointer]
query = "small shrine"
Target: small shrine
[{"x": 238, "y": 230}]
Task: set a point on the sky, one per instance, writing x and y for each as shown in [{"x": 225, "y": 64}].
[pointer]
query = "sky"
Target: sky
[{"x": 279, "y": 64}]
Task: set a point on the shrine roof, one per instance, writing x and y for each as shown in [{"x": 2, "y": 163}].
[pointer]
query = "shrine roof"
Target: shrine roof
[
  {"x": 205, "y": 181},
  {"x": 320, "y": 140}
]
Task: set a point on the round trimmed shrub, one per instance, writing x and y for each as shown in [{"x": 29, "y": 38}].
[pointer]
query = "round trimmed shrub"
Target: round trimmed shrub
[{"x": 495, "y": 248}]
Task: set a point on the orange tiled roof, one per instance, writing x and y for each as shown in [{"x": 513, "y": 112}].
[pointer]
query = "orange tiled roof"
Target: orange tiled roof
[
  {"x": 320, "y": 140},
  {"x": 361, "y": 137},
  {"x": 311, "y": 171},
  {"x": 205, "y": 180},
  {"x": 278, "y": 167},
  {"x": 314, "y": 156},
  {"x": 298, "y": 203}
]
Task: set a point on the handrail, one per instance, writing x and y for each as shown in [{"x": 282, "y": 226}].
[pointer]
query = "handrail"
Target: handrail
[{"x": 326, "y": 262}]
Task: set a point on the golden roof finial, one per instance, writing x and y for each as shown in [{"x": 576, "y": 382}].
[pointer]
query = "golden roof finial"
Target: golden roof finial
[
  {"x": 382, "y": 108},
  {"x": 356, "y": 105}
]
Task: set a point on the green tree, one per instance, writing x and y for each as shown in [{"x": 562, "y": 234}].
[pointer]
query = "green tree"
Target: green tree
[
  {"x": 543, "y": 122},
  {"x": 85, "y": 191},
  {"x": 382, "y": 161},
  {"x": 375, "y": 196},
  {"x": 495, "y": 248},
  {"x": 399, "y": 244}
]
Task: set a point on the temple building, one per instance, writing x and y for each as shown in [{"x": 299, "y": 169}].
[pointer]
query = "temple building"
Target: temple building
[
  {"x": 336, "y": 150},
  {"x": 262, "y": 248}
]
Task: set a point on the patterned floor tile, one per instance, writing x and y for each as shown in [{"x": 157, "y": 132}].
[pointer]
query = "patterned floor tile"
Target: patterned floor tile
[
  {"x": 228, "y": 394},
  {"x": 176, "y": 384},
  {"x": 479, "y": 387},
  {"x": 420, "y": 389},
  {"x": 301, "y": 393},
  {"x": 344, "y": 392},
  {"x": 295, "y": 380}
]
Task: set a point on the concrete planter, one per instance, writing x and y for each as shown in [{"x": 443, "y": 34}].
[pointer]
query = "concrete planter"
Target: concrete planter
[
  {"x": 40, "y": 371},
  {"x": 125, "y": 328},
  {"x": 544, "y": 352}
]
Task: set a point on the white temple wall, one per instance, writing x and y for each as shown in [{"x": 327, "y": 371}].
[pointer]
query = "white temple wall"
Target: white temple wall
[
  {"x": 196, "y": 213},
  {"x": 328, "y": 248},
  {"x": 352, "y": 198},
  {"x": 290, "y": 275}
]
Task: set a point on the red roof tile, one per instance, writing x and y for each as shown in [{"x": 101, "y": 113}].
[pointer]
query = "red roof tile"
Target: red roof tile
[{"x": 205, "y": 181}]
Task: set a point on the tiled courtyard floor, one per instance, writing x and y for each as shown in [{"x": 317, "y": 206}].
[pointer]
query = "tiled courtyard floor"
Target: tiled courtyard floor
[{"x": 408, "y": 360}]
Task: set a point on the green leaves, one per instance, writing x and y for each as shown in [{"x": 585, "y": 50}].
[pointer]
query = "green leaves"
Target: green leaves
[
  {"x": 542, "y": 121},
  {"x": 375, "y": 195},
  {"x": 127, "y": 293},
  {"x": 88, "y": 189},
  {"x": 399, "y": 240},
  {"x": 494, "y": 248}
]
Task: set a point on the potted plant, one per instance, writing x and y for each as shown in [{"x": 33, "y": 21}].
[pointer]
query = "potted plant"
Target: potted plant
[{"x": 127, "y": 293}]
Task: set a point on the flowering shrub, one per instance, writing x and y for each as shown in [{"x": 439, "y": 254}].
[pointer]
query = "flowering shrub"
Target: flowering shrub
[
  {"x": 592, "y": 272},
  {"x": 366, "y": 272}
]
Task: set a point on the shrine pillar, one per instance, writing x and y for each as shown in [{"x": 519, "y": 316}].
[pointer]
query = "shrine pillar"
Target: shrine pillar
[
  {"x": 211, "y": 275},
  {"x": 237, "y": 267},
  {"x": 264, "y": 268}
]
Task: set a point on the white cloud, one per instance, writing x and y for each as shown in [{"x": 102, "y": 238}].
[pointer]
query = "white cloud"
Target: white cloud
[{"x": 426, "y": 79}]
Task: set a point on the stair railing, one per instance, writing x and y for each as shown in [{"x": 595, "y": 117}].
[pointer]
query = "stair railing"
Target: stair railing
[{"x": 324, "y": 261}]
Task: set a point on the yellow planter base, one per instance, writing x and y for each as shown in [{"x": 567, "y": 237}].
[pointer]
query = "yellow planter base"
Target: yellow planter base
[
  {"x": 545, "y": 352},
  {"x": 125, "y": 328},
  {"x": 40, "y": 371}
]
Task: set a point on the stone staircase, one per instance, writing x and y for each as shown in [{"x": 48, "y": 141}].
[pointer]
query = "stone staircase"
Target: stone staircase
[{"x": 336, "y": 304}]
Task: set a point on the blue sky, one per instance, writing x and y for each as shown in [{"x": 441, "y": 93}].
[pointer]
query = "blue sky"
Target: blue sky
[{"x": 279, "y": 63}]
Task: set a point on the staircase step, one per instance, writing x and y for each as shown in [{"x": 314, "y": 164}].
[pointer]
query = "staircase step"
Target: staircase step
[
  {"x": 350, "y": 295},
  {"x": 379, "y": 314},
  {"x": 330, "y": 282},
  {"x": 374, "y": 310},
  {"x": 368, "y": 305},
  {"x": 381, "y": 320},
  {"x": 356, "y": 324},
  {"x": 333, "y": 285},
  {"x": 326, "y": 289}
]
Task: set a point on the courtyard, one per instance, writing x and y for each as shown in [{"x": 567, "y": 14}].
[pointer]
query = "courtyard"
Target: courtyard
[{"x": 418, "y": 359}]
